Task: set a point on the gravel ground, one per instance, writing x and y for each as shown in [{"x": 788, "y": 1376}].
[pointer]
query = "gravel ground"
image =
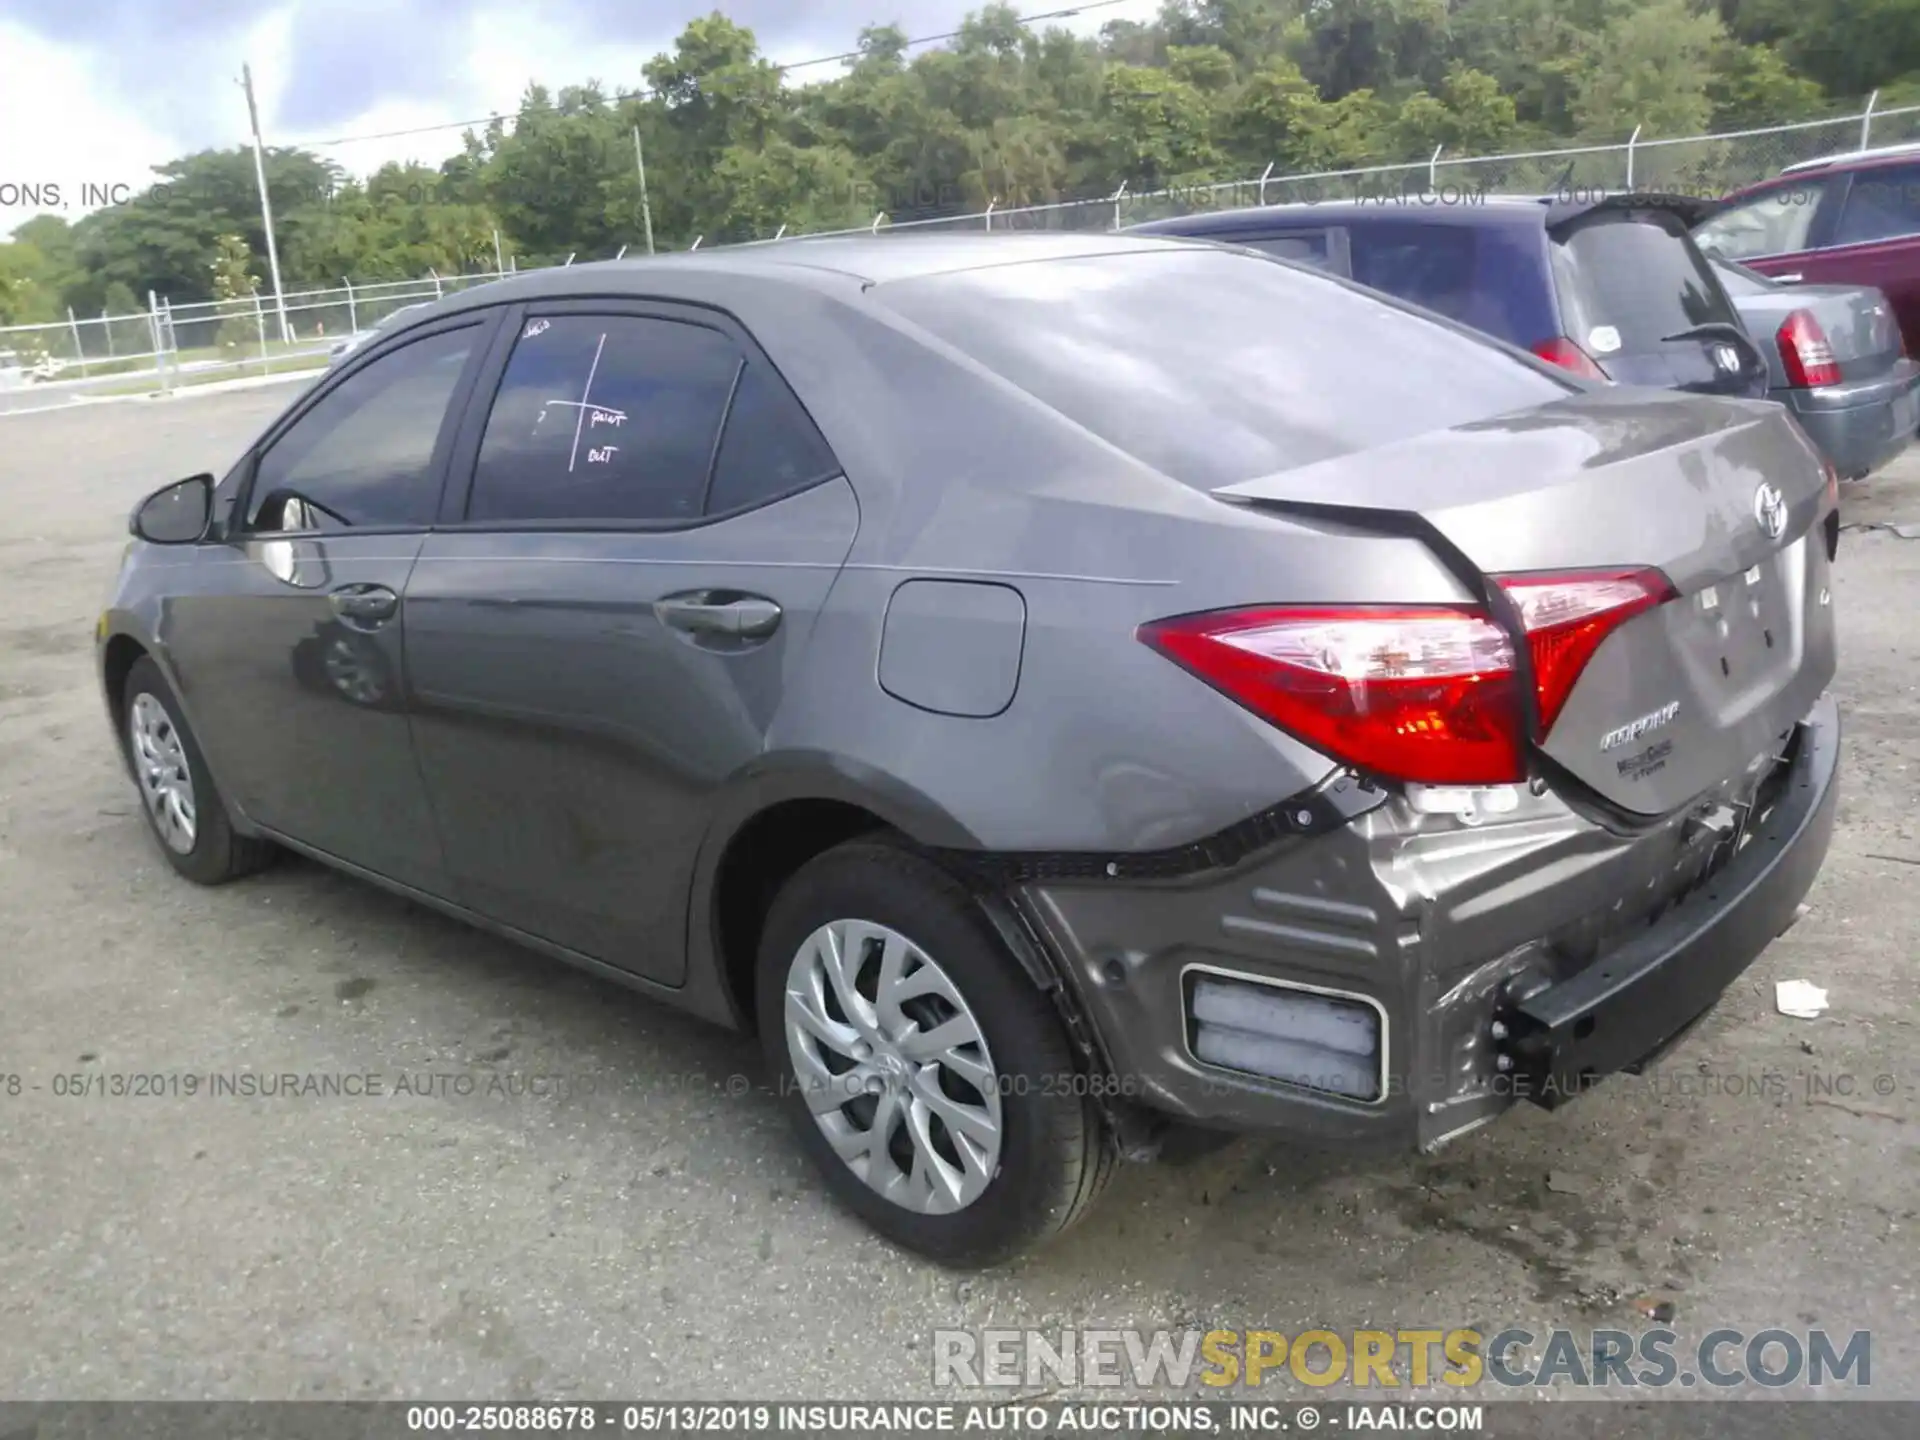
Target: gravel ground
[{"x": 645, "y": 1226}]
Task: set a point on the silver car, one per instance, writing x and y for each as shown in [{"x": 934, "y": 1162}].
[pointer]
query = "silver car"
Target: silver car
[
  {"x": 1837, "y": 361},
  {"x": 1061, "y": 691}
]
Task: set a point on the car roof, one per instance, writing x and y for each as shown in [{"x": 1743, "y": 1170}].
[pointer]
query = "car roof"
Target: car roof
[
  {"x": 863, "y": 259},
  {"x": 1518, "y": 211},
  {"x": 1851, "y": 159},
  {"x": 848, "y": 264}
]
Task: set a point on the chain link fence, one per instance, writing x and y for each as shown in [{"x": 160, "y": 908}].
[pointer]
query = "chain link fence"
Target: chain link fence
[{"x": 171, "y": 345}]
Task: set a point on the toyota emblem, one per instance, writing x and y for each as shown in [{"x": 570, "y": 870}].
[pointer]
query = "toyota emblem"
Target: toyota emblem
[
  {"x": 1770, "y": 511},
  {"x": 1726, "y": 357}
]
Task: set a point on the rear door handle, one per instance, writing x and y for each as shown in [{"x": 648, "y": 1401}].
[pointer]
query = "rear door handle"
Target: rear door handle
[
  {"x": 1793, "y": 279},
  {"x": 364, "y": 604},
  {"x": 719, "y": 612}
]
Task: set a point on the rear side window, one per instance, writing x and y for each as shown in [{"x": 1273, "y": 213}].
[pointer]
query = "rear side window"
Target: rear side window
[
  {"x": 1882, "y": 204},
  {"x": 1431, "y": 265},
  {"x": 1215, "y": 367},
  {"x": 1626, "y": 283},
  {"x": 770, "y": 448},
  {"x": 1309, "y": 247},
  {"x": 605, "y": 418}
]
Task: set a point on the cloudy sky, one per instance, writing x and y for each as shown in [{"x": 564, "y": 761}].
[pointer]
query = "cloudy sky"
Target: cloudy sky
[{"x": 95, "y": 92}]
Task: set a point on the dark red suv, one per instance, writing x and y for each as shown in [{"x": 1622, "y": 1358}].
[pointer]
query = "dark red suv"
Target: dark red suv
[{"x": 1849, "y": 219}]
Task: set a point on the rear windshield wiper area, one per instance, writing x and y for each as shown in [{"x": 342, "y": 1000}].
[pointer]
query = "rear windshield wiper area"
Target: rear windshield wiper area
[{"x": 1754, "y": 372}]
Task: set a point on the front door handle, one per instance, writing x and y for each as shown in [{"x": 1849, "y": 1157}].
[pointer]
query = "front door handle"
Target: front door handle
[
  {"x": 719, "y": 612},
  {"x": 1793, "y": 279},
  {"x": 364, "y": 604}
]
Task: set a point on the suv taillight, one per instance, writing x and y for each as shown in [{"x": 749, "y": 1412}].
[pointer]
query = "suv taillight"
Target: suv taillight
[
  {"x": 1569, "y": 356},
  {"x": 1805, "y": 353},
  {"x": 1425, "y": 694}
]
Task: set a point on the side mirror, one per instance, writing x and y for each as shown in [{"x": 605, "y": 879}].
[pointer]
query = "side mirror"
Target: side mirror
[{"x": 175, "y": 514}]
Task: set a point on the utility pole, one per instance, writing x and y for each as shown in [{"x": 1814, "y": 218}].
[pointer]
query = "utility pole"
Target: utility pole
[
  {"x": 266, "y": 205},
  {"x": 646, "y": 210}
]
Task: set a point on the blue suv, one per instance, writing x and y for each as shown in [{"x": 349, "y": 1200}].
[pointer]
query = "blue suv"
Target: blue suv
[{"x": 1612, "y": 288}]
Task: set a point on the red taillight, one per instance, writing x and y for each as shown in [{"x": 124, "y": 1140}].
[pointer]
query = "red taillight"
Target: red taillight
[
  {"x": 1805, "y": 353},
  {"x": 1569, "y": 356},
  {"x": 1426, "y": 694},
  {"x": 1567, "y": 616}
]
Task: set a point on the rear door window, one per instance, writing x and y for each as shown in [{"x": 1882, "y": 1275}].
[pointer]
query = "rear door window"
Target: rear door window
[
  {"x": 1882, "y": 204},
  {"x": 1215, "y": 367},
  {"x": 1628, "y": 281},
  {"x": 605, "y": 418}
]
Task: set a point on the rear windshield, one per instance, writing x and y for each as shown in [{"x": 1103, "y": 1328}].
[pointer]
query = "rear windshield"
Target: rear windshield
[
  {"x": 1626, "y": 283},
  {"x": 1215, "y": 366}
]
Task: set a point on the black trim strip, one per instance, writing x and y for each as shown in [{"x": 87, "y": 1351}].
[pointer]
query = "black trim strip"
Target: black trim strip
[{"x": 1333, "y": 803}]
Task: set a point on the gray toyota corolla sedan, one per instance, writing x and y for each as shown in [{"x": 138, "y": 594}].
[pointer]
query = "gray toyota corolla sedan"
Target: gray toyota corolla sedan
[{"x": 1063, "y": 692}]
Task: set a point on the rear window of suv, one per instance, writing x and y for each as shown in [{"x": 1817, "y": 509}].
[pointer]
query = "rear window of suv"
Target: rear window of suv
[
  {"x": 1626, "y": 282},
  {"x": 1215, "y": 366}
]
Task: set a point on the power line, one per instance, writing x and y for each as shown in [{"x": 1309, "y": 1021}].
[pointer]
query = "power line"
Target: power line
[{"x": 643, "y": 94}]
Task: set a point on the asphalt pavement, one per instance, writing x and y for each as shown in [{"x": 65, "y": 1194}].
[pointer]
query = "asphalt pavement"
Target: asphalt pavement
[{"x": 556, "y": 1189}]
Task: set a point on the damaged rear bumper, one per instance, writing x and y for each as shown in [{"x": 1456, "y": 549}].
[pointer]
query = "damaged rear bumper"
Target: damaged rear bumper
[
  {"x": 1521, "y": 959},
  {"x": 1634, "y": 1000}
]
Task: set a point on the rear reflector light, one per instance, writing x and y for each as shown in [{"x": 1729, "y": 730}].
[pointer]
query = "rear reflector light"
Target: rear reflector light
[
  {"x": 1322, "y": 1042},
  {"x": 1428, "y": 695},
  {"x": 1567, "y": 616},
  {"x": 1805, "y": 353},
  {"x": 1569, "y": 356}
]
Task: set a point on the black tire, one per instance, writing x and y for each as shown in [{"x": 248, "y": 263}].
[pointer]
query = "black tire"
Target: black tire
[
  {"x": 1055, "y": 1157},
  {"x": 219, "y": 854}
]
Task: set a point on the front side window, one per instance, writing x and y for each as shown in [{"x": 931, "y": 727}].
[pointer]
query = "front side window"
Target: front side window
[
  {"x": 363, "y": 455},
  {"x": 605, "y": 418},
  {"x": 1776, "y": 222}
]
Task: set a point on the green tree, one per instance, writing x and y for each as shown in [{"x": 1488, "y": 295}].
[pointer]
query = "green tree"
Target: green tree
[
  {"x": 1470, "y": 116},
  {"x": 1752, "y": 86},
  {"x": 28, "y": 295},
  {"x": 1651, "y": 66},
  {"x": 233, "y": 288},
  {"x": 1280, "y": 114}
]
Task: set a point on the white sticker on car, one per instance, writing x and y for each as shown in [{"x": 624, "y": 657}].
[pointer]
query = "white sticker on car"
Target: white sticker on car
[{"x": 1603, "y": 340}]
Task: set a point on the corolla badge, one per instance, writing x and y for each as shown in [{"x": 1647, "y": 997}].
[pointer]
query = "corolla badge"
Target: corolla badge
[
  {"x": 1770, "y": 511},
  {"x": 1627, "y": 734}
]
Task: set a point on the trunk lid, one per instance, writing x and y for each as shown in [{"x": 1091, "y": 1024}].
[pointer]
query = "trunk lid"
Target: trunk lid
[{"x": 1687, "y": 694}]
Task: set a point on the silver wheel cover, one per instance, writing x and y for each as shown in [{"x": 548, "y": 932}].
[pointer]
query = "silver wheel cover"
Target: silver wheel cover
[
  {"x": 160, "y": 766},
  {"x": 894, "y": 1066}
]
